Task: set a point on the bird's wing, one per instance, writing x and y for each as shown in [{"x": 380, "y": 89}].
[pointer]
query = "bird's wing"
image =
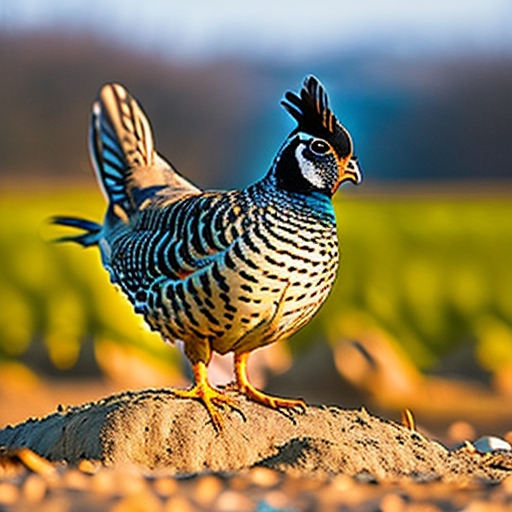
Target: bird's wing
[
  {"x": 199, "y": 229},
  {"x": 169, "y": 243},
  {"x": 124, "y": 156}
]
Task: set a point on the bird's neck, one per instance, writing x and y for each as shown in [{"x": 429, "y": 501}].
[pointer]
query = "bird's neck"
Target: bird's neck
[{"x": 312, "y": 204}]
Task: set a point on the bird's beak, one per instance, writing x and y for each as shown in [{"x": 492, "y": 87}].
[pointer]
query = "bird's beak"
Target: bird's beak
[{"x": 350, "y": 172}]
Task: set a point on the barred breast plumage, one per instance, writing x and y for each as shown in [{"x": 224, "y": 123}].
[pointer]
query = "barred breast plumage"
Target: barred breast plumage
[{"x": 221, "y": 271}]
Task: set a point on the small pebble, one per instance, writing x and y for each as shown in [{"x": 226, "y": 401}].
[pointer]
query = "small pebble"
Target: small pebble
[
  {"x": 232, "y": 501},
  {"x": 364, "y": 477},
  {"x": 239, "y": 482},
  {"x": 34, "y": 488},
  {"x": 488, "y": 444},
  {"x": 139, "y": 502},
  {"x": 335, "y": 492},
  {"x": 277, "y": 499},
  {"x": 35, "y": 462},
  {"x": 206, "y": 490},
  {"x": 293, "y": 485},
  {"x": 75, "y": 479},
  {"x": 165, "y": 486},
  {"x": 392, "y": 503},
  {"x": 104, "y": 482},
  {"x": 89, "y": 467},
  {"x": 129, "y": 481},
  {"x": 9, "y": 493},
  {"x": 179, "y": 504},
  {"x": 264, "y": 477},
  {"x": 342, "y": 483}
]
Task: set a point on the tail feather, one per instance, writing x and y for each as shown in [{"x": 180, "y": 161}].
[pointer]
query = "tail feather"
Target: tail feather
[
  {"x": 108, "y": 157},
  {"x": 90, "y": 237},
  {"x": 123, "y": 153}
]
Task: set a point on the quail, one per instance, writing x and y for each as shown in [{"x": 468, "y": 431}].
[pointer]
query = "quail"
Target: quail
[{"x": 227, "y": 271}]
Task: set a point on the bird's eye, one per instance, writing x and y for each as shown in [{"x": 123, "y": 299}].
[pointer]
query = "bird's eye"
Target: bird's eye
[{"x": 319, "y": 147}]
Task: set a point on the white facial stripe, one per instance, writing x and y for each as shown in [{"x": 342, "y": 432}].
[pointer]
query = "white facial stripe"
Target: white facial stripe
[
  {"x": 307, "y": 168},
  {"x": 302, "y": 137}
]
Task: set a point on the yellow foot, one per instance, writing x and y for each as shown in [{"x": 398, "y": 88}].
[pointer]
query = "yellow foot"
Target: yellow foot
[
  {"x": 245, "y": 387},
  {"x": 270, "y": 401},
  {"x": 211, "y": 399}
]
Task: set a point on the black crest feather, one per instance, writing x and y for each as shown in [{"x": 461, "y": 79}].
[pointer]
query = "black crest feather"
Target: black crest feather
[{"x": 311, "y": 109}]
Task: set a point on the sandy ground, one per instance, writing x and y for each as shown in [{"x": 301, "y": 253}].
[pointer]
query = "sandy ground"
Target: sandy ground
[
  {"x": 326, "y": 459},
  {"x": 28, "y": 482},
  {"x": 258, "y": 489}
]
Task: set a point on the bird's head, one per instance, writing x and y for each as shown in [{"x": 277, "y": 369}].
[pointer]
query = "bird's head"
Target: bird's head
[{"x": 318, "y": 155}]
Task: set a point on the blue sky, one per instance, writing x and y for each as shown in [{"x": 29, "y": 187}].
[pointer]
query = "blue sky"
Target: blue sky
[{"x": 287, "y": 29}]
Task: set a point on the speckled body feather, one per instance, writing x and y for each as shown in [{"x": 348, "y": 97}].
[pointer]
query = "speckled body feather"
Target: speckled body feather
[{"x": 227, "y": 271}]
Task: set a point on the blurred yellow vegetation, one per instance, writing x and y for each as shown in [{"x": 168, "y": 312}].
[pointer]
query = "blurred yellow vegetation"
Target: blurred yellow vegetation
[
  {"x": 431, "y": 274},
  {"x": 59, "y": 294}
]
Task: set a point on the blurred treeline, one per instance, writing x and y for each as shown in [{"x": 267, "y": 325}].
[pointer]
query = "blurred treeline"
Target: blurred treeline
[
  {"x": 432, "y": 273},
  {"x": 220, "y": 122},
  {"x": 49, "y": 83}
]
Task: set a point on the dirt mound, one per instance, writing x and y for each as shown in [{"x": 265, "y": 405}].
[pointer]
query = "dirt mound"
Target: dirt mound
[{"x": 154, "y": 430}]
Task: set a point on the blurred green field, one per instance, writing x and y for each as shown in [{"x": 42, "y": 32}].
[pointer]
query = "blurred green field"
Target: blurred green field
[
  {"x": 432, "y": 274},
  {"x": 58, "y": 295}
]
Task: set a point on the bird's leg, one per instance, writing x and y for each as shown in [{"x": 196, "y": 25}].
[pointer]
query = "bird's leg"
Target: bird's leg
[
  {"x": 205, "y": 393},
  {"x": 245, "y": 387}
]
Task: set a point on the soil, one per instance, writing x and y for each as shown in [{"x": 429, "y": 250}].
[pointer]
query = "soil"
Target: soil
[{"x": 149, "y": 447}]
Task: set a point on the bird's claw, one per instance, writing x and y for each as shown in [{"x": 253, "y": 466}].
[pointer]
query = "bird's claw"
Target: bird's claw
[
  {"x": 213, "y": 400},
  {"x": 274, "y": 402}
]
